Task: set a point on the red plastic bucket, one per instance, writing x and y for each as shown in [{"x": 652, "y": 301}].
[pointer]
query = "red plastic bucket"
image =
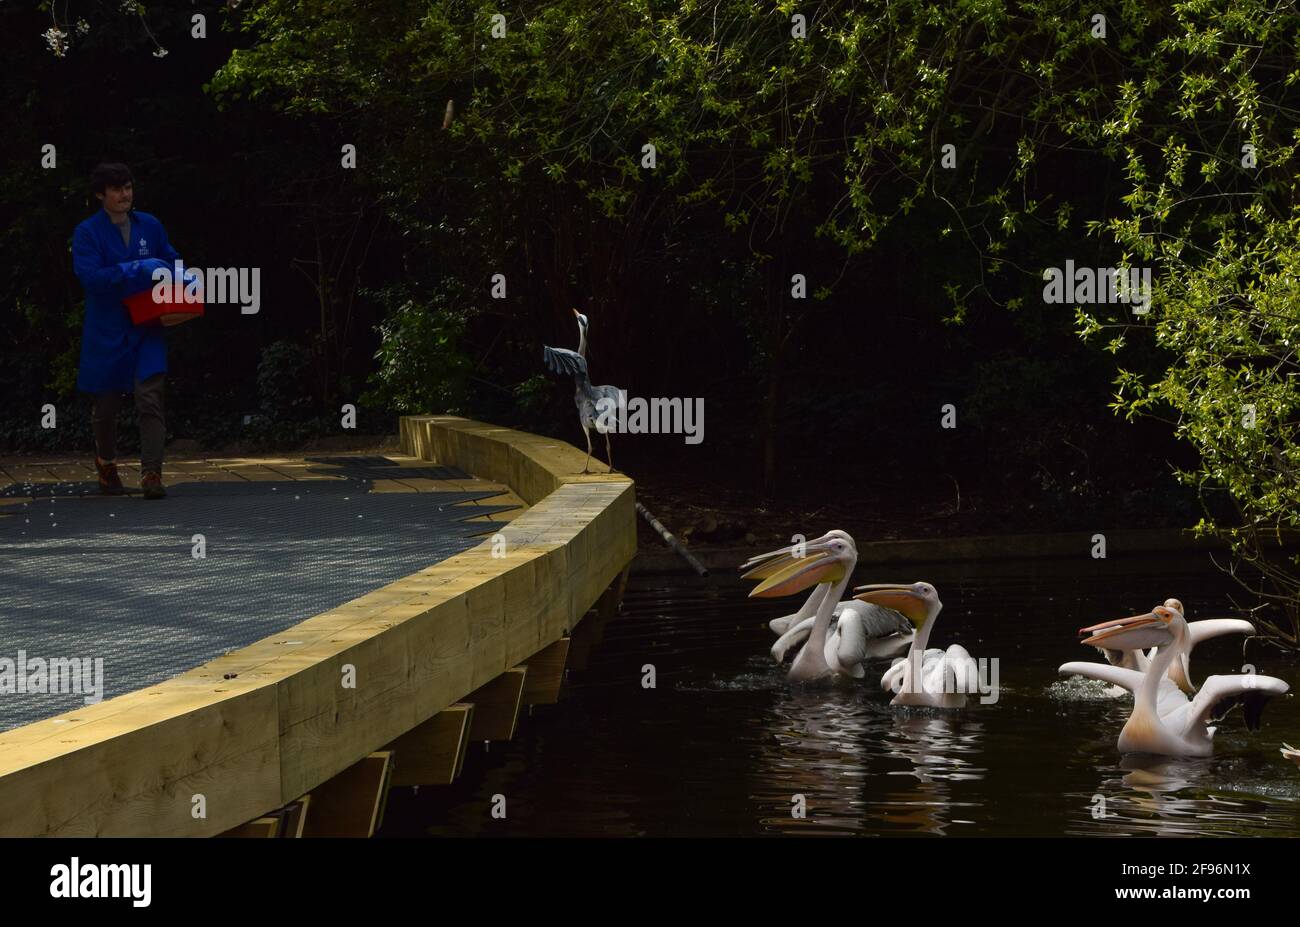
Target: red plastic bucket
[{"x": 144, "y": 311}]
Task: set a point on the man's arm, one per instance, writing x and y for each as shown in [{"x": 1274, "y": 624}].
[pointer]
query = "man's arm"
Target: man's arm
[{"x": 109, "y": 279}]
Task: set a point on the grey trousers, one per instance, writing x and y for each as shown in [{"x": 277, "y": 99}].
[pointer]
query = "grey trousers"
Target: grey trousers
[{"x": 148, "y": 414}]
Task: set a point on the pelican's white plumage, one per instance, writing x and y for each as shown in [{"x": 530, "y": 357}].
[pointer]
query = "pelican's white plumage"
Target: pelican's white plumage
[
  {"x": 826, "y": 562},
  {"x": 857, "y": 631},
  {"x": 1179, "y": 670},
  {"x": 867, "y": 632},
  {"x": 1164, "y": 721},
  {"x": 927, "y": 678}
]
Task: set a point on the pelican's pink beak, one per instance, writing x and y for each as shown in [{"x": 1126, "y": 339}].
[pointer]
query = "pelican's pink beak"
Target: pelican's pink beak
[
  {"x": 783, "y": 573},
  {"x": 1136, "y": 633},
  {"x": 901, "y": 598}
]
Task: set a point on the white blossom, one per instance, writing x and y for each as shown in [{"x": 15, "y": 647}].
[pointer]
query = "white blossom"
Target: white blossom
[{"x": 54, "y": 37}]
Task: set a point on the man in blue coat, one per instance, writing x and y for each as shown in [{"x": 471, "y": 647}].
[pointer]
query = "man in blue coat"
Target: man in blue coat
[{"x": 114, "y": 254}]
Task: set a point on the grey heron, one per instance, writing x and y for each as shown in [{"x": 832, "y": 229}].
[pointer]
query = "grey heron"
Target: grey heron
[
  {"x": 596, "y": 404},
  {"x": 1164, "y": 721},
  {"x": 582, "y": 333}
]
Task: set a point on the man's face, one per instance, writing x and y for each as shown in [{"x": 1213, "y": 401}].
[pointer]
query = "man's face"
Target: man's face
[{"x": 117, "y": 199}]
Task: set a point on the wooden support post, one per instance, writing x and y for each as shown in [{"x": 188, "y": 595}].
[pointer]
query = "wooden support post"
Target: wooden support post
[
  {"x": 546, "y": 673},
  {"x": 295, "y": 816},
  {"x": 262, "y": 827},
  {"x": 496, "y": 706},
  {"x": 607, "y": 606},
  {"x": 352, "y": 803},
  {"x": 585, "y": 637},
  {"x": 433, "y": 753}
]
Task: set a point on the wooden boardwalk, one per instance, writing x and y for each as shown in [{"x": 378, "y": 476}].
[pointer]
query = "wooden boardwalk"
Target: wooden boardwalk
[{"x": 326, "y": 707}]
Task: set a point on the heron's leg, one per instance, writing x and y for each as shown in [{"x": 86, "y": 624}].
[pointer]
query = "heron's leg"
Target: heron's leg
[
  {"x": 608, "y": 456},
  {"x": 586, "y": 463}
]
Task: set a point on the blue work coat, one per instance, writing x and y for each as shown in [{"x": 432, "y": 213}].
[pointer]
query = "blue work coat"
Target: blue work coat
[{"x": 115, "y": 353}]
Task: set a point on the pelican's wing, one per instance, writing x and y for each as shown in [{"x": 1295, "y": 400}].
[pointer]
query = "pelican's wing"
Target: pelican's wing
[
  {"x": 877, "y": 621},
  {"x": 848, "y": 642},
  {"x": 795, "y": 636},
  {"x": 562, "y": 360},
  {"x": 806, "y": 612},
  {"x": 1217, "y": 627},
  {"x": 961, "y": 673},
  {"x": 1128, "y": 659},
  {"x": 780, "y": 625},
  {"x": 1104, "y": 672},
  {"x": 1220, "y": 694}
]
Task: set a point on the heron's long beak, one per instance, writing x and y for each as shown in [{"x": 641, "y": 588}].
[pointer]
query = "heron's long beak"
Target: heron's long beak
[
  {"x": 897, "y": 596},
  {"x": 786, "y": 574},
  {"x": 1136, "y": 633},
  {"x": 576, "y": 313}
]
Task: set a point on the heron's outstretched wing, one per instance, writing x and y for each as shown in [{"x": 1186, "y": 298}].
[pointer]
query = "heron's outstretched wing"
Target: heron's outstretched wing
[{"x": 562, "y": 360}]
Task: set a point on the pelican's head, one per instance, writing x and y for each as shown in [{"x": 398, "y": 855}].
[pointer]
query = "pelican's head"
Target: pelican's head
[
  {"x": 917, "y": 602},
  {"x": 1159, "y": 627},
  {"x": 827, "y": 559}
]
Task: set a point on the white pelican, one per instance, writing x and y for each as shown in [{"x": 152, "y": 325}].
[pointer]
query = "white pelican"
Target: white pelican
[
  {"x": 858, "y": 631},
  {"x": 1163, "y": 720},
  {"x": 1197, "y": 631},
  {"x": 883, "y": 632},
  {"x": 931, "y": 678},
  {"x": 1291, "y": 753},
  {"x": 826, "y": 562}
]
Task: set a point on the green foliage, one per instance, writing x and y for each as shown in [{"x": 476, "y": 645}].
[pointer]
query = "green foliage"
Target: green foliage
[
  {"x": 1218, "y": 224},
  {"x": 778, "y": 155},
  {"x": 421, "y": 365},
  {"x": 283, "y": 382}
]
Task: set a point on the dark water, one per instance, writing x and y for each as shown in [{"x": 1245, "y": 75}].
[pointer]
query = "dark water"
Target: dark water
[{"x": 723, "y": 743}]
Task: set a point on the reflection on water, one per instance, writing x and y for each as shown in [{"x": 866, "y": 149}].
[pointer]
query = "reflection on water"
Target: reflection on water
[{"x": 723, "y": 745}]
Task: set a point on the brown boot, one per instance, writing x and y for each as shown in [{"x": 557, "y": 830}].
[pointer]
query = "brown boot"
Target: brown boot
[
  {"x": 110, "y": 484},
  {"x": 151, "y": 485}
]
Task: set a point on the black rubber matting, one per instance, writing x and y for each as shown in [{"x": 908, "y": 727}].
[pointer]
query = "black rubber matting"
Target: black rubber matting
[{"x": 115, "y": 577}]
